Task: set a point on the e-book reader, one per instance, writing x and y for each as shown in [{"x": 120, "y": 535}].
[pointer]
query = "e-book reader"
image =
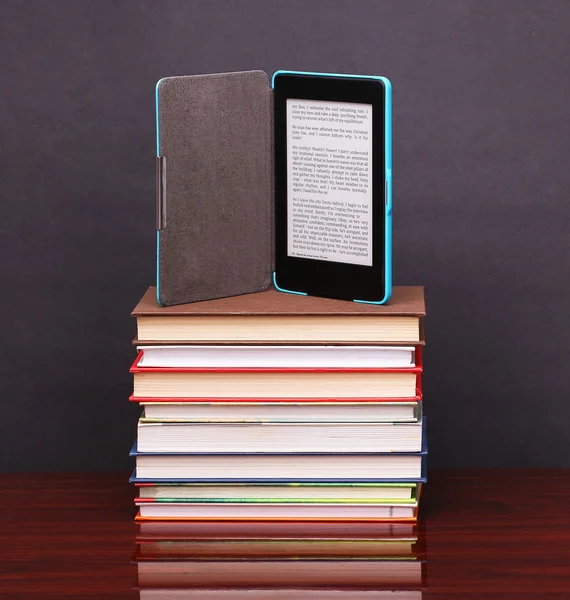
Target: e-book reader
[{"x": 333, "y": 185}]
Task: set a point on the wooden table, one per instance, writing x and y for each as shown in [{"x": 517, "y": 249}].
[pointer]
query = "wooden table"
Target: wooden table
[{"x": 487, "y": 533}]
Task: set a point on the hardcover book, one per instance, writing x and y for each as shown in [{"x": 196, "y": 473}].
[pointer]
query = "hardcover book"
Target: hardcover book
[
  {"x": 177, "y": 467},
  {"x": 276, "y": 383},
  {"x": 271, "y": 317}
]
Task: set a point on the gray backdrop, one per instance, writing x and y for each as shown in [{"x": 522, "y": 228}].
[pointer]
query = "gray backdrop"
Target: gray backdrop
[{"x": 481, "y": 213}]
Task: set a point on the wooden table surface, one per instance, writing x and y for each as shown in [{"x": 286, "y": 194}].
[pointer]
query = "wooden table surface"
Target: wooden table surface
[{"x": 487, "y": 534}]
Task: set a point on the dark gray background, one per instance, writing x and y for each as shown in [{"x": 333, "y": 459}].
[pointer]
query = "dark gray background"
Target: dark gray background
[{"x": 481, "y": 217}]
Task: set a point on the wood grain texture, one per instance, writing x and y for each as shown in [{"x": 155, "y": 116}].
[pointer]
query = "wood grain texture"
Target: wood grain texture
[
  {"x": 497, "y": 533},
  {"x": 66, "y": 536},
  {"x": 487, "y": 534}
]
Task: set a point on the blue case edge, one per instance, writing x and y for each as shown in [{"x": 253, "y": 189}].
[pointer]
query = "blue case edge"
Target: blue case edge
[
  {"x": 388, "y": 171},
  {"x": 158, "y": 230}
]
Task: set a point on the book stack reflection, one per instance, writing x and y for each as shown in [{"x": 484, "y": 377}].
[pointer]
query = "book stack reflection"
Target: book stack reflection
[{"x": 283, "y": 561}]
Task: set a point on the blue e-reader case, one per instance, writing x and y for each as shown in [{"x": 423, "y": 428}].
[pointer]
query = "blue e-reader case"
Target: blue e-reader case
[{"x": 215, "y": 194}]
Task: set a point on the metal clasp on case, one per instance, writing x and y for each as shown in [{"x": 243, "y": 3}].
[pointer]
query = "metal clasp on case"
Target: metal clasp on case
[{"x": 160, "y": 193}]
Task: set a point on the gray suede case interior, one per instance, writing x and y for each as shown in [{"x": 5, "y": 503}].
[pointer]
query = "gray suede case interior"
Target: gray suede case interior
[{"x": 215, "y": 140}]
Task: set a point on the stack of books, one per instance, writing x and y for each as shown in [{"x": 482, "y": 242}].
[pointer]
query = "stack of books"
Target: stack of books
[{"x": 273, "y": 406}]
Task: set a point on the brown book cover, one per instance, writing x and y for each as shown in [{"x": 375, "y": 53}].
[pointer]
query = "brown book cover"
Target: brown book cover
[
  {"x": 406, "y": 301},
  {"x": 272, "y": 317}
]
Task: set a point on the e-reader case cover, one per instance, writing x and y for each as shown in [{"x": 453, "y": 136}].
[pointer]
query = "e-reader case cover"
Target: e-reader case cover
[{"x": 214, "y": 186}]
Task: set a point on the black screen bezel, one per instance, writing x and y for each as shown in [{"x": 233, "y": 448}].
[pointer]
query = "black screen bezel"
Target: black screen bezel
[{"x": 318, "y": 277}]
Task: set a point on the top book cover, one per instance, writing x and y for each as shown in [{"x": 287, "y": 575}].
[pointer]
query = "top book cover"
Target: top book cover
[
  {"x": 406, "y": 301},
  {"x": 271, "y": 317}
]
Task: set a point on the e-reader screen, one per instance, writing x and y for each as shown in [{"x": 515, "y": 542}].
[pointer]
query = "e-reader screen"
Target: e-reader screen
[
  {"x": 329, "y": 180},
  {"x": 332, "y": 185}
]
